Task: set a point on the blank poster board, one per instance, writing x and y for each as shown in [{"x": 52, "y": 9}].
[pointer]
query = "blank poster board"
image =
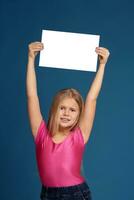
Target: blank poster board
[{"x": 68, "y": 50}]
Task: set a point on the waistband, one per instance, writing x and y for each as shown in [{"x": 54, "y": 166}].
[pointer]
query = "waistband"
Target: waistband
[{"x": 72, "y": 188}]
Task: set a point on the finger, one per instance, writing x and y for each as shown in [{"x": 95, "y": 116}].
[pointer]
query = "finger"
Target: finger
[
  {"x": 102, "y": 48},
  {"x": 36, "y": 44},
  {"x": 36, "y": 49},
  {"x": 102, "y": 51},
  {"x": 102, "y": 55},
  {"x": 98, "y": 51}
]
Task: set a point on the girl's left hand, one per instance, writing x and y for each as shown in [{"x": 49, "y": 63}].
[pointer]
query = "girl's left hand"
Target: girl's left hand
[{"x": 103, "y": 54}]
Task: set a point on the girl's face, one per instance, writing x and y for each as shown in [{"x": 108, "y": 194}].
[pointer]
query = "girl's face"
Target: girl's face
[{"x": 68, "y": 112}]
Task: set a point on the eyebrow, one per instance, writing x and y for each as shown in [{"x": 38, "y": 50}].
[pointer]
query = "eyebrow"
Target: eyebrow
[{"x": 70, "y": 107}]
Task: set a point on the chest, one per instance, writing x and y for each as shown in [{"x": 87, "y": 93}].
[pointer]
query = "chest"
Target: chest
[{"x": 59, "y": 139}]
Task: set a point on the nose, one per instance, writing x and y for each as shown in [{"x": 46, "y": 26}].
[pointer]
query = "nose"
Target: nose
[{"x": 66, "y": 112}]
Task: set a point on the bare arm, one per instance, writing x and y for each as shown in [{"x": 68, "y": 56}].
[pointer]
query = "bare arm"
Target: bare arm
[
  {"x": 87, "y": 119},
  {"x": 33, "y": 106}
]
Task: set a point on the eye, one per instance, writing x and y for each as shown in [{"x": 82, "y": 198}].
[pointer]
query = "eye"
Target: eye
[
  {"x": 61, "y": 107},
  {"x": 73, "y": 110}
]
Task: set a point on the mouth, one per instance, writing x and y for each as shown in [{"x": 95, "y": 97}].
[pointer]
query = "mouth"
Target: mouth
[{"x": 64, "y": 119}]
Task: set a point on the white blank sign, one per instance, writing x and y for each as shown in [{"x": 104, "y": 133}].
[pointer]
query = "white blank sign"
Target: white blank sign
[{"x": 69, "y": 50}]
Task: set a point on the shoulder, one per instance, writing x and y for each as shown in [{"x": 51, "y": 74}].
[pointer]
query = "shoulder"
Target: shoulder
[
  {"x": 81, "y": 132},
  {"x": 41, "y": 132},
  {"x": 79, "y": 135}
]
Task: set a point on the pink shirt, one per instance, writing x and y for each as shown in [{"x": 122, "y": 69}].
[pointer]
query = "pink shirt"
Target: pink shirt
[{"x": 59, "y": 164}]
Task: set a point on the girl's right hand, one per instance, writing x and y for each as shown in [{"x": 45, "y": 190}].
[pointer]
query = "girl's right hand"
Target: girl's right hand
[{"x": 34, "y": 48}]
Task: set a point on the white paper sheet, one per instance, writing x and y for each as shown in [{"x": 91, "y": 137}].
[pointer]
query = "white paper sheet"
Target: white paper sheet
[{"x": 69, "y": 50}]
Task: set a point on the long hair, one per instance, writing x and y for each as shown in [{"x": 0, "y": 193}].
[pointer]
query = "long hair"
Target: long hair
[{"x": 52, "y": 124}]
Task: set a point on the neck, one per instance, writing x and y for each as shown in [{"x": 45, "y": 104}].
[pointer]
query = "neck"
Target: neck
[{"x": 63, "y": 131}]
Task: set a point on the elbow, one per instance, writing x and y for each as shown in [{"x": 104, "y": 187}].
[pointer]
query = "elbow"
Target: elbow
[{"x": 92, "y": 98}]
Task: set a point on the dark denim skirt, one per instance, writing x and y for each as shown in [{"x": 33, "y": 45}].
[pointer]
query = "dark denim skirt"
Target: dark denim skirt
[{"x": 75, "y": 192}]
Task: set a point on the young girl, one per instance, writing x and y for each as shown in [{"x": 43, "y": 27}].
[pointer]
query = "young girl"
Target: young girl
[{"x": 60, "y": 144}]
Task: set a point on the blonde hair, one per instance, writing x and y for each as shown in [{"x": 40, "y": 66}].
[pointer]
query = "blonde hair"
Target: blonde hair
[{"x": 62, "y": 94}]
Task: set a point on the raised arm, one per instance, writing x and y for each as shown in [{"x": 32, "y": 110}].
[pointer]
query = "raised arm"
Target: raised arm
[
  {"x": 87, "y": 119},
  {"x": 33, "y": 106}
]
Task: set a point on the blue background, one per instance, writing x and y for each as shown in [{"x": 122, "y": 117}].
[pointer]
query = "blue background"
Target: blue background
[{"x": 109, "y": 154}]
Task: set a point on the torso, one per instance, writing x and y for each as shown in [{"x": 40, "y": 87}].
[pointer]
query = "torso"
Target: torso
[
  {"x": 61, "y": 162},
  {"x": 59, "y": 139}
]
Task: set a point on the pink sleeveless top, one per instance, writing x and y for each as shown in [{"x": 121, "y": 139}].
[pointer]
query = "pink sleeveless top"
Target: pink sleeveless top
[{"x": 59, "y": 164}]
